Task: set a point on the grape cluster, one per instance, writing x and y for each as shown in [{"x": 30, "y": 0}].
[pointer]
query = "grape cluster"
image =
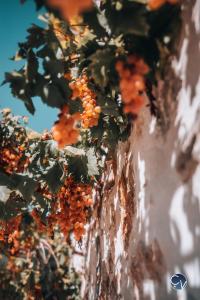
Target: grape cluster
[
  {"x": 132, "y": 83},
  {"x": 10, "y": 233},
  {"x": 155, "y": 4},
  {"x": 71, "y": 8},
  {"x": 13, "y": 147},
  {"x": 70, "y": 211},
  {"x": 91, "y": 111},
  {"x": 65, "y": 131},
  {"x": 11, "y": 159}
]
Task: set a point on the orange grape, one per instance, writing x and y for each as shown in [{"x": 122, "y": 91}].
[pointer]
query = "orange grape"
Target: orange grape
[
  {"x": 91, "y": 112},
  {"x": 132, "y": 83},
  {"x": 65, "y": 131}
]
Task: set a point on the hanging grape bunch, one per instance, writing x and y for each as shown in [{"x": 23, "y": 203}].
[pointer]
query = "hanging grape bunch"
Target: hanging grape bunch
[
  {"x": 65, "y": 131},
  {"x": 91, "y": 111},
  {"x": 132, "y": 83}
]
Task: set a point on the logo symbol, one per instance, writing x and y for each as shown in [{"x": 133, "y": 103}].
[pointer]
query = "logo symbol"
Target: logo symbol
[{"x": 178, "y": 281}]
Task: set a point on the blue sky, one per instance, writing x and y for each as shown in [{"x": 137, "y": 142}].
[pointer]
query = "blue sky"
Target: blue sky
[{"x": 14, "y": 20}]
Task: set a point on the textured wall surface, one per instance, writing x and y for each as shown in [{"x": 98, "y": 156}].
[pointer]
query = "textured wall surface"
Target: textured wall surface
[{"x": 146, "y": 224}]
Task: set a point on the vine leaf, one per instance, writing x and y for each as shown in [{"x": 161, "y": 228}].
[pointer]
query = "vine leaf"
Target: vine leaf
[
  {"x": 52, "y": 95},
  {"x": 92, "y": 163},
  {"x": 102, "y": 62},
  {"x": 20, "y": 88},
  {"x": 77, "y": 166},
  {"x": 32, "y": 66},
  {"x": 25, "y": 184},
  {"x": 92, "y": 19},
  {"x": 131, "y": 19},
  {"x": 53, "y": 177}
]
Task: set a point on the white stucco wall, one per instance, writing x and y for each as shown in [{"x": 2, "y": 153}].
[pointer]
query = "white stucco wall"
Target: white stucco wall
[{"x": 146, "y": 225}]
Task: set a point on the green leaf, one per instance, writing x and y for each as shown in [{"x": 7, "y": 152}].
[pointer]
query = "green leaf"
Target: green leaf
[
  {"x": 108, "y": 105},
  {"x": 54, "y": 67},
  {"x": 2, "y": 211},
  {"x": 91, "y": 18},
  {"x": 98, "y": 131},
  {"x": 77, "y": 166},
  {"x": 25, "y": 184},
  {"x": 112, "y": 132},
  {"x": 35, "y": 39},
  {"x": 53, "y": 177},
  {"x": 6, "y": 180},
  {"x": 43, "y": 203},
  {"x": 32, "y": 66},
  {"x": 53, "y": 96},
  {"x": 29, "y": 105},
  {"x": 92, "y": 163},
  {"x": 132, "y": 18},
  {"x": 101, "y": 66},
  {"x": 15, "y": 205},
  {"x": 20, "y": 88},
  {"x": 46, "y": 51}
]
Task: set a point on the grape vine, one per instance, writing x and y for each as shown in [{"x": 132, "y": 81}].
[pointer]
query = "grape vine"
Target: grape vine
[{"x": 98, "y": 62}]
